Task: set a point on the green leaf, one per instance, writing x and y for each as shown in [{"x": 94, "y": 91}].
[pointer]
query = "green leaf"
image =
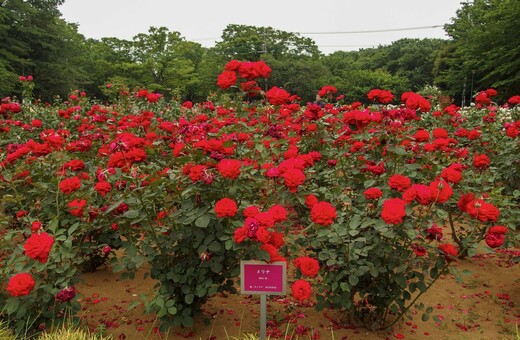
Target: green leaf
[
  {"x": 214, "y": 246},
  {"x": 189, "y": 298},
  {"x": 73, "y": 228},
  {"x": 355, "y": 222},
  {"x": 425, "y": 317},
  {"x": 131, "y": 214},
  {"x": 353, "y": 280},
  {"x": 369, "y": 183},
  {"x": 202, "y": 221},
  {"x": 216, "y": 267}
]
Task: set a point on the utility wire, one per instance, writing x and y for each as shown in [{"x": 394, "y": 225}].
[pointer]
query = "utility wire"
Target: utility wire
[
  {"x": 375, "y": 31},
  {"x": 352, "y": 32}
]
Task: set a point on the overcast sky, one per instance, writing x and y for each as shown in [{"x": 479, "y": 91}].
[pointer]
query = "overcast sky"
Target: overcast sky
[{"x": 204, "y": 21}]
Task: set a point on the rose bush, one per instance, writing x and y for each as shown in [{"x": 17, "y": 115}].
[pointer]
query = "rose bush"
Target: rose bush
[{"x": 357, "y": 196}]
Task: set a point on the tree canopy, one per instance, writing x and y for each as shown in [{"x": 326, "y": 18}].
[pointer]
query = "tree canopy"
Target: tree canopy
[{"x": 482, "y": 52}]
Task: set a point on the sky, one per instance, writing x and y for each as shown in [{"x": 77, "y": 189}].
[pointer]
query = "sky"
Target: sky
[{"x": 203, "y": 21}]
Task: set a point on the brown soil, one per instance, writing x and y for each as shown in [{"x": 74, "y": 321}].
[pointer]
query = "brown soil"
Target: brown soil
[{"x": 485, "y": 305}]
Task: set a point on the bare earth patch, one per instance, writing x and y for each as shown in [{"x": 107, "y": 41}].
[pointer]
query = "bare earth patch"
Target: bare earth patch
[{"x": 485, "y": 305}]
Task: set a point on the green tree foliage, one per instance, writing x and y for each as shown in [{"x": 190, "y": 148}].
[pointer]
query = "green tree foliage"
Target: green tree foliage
[
  {"x": 35, "y": 41},
  {"x": 244, "y": 42},
  {"x": 109, "y": 59},
  {"x": 485, "y": 38},
  {"x": 303, "y": 76},
  {"x": 405, "y": 65},
  {"x": 355, "y": 84},
  {"x": 170, "y": 60}
]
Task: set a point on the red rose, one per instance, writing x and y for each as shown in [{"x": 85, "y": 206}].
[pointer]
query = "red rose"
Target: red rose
[
  {"x": 226, "y": 79},
  {"x": 434, "y": 233},
  {"x": 265, "y": 219},
  {"x": 76, "y": 207},
  {"x": 273, "y": 253},
  {"x": 422, "y": 136},
  {"x": 226, "y": 207},
  {"x": 293, "y": 178},
  {"x": 307, "y": 265},
  {"x": 301, "y": 290},
  {"x": 38, "y": 246},
  {"x": 440, "y": 133},
  {"x": 464, "y": 200},
  {"x": 277, "y": 96},
  {"x": 382, "y": 96},
  {"x": 399, "y": 182},
  {"x": 494, "y": 240},
  {"x": 449, "y": 251},
  {"x": 263, "y": 235},
  {"x": 310, "y": 201},
  {"x": 103, "y": 188},
  {"x": 441, "y": 191},
  {"x": 419, "y": 192},
  {"x": 497, "y": 229},
  {"x": 481, "y": 161},
  {"x": 232, "y": 65},
  {"x": 483, "y": 211},
  {"x": 277, "y": 239},
  {"x": 393, "y": 211},
  {"x": 451, "y": 175},
  {"x": 251, "y": 211},
  {"x": 36, "y": 226},
  {"x": 240, "y": 234},
  {"x": 69, "y": 185},
  {"x": 373, "y": 193},
  {"x": 278, "y": 212},
  {"x": 418, "y": 250},
  {"x": 514, "y": 100},
  {"x": 20, "y": 284},
  {"x": 323, "y": 213},
  {"x": 229, "y": 168},
  {"x": 262, "y": 69}
]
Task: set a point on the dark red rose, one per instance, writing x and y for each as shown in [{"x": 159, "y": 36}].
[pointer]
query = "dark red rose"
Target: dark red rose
[{"x": 494, "y": 240}]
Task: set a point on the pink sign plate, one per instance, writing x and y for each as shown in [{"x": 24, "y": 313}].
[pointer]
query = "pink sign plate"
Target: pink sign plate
[{"x": 257, "y": 277}]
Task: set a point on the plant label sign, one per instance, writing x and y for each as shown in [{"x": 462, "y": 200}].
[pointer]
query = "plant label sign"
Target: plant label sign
[{"x": 257, "y": 277}]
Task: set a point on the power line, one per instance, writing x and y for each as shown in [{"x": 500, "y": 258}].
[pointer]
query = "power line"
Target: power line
[
  {"x": 376, "y": 31},
  {"x": 350, "y": 32}
]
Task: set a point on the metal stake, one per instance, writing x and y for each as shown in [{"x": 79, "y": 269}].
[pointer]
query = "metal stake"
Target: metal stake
[{"x": 263, "y": 317}]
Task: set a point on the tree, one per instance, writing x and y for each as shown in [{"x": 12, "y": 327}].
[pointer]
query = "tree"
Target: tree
[
  {"x": 485, "y": 34},
  {"x": 169, "y": 59},
  {"x": 35, "y": 41},
  {"x": 244, "y": 42}
]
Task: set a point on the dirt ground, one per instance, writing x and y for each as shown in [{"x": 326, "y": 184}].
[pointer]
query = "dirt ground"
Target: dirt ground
[{"x": 485, "y": 305}]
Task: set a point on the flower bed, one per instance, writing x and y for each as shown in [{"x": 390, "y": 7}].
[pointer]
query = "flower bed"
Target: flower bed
[{"x": 353, "y": 196}]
